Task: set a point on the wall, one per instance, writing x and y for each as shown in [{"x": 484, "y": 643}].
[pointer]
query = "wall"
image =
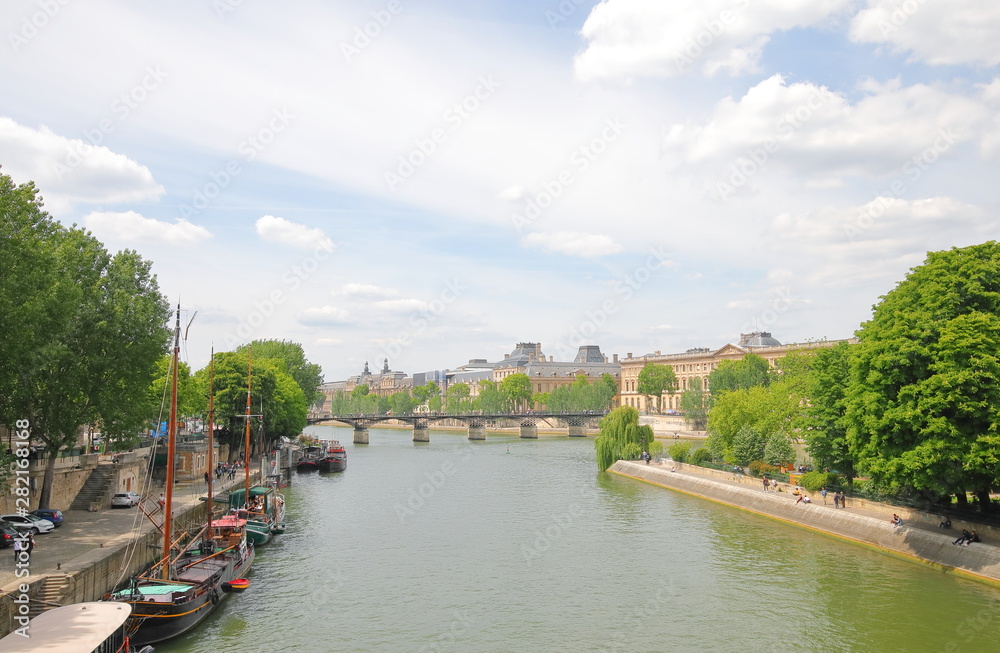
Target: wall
[{"x": 980, "y": 561}]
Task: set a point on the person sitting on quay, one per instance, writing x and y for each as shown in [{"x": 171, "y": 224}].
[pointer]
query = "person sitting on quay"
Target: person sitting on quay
[
  {"x": 945, "y": 523},
  {"x": 896, "y": 520},
  {"x": 963, "y": 537},
  {"x": 803, "y": 498},
  {"x": 972, "y": 538}
]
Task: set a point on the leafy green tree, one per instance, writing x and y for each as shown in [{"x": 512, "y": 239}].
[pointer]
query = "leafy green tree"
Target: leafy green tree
[
  {"x": 778, "y": 449},
  {"x": 458, "y": 398},
  {"x": 490, "y": 401},
  {"x": 621, "y": 437},
  {"x": 694, "y": 404},
  {"x": 679, "y": 451},
  {"x": 401, "y": 403},
  {"x": 923, "y": 404},
  {"x": 190, "y": 394},
  {"x": 293, "y": 362},
  {"x": 748, "y": 445},
  {"x": 541, "y": 399},
  {"x": 360, "y": 390},
  {"x": 655, "y": 379},
  {"x": 824, "y": 421},
  {"x": 516, "y": 390},
  {"x": 82, "y": 329},
  {"x": 759, "y": 408},
  {"x": 729, "y": 375}
]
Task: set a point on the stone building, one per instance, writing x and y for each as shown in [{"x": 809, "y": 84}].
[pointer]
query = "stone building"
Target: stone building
[{"x": 699, "y": 362}]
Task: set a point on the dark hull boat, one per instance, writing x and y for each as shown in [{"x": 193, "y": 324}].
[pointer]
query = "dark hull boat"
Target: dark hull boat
[
  {"x": 335, "y": 459},
  {"x": 309, "y": 460}
]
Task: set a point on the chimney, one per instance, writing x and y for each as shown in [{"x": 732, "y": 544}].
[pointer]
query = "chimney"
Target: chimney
[
  {"x": 550, "y": 359},
  {"x": 506, "y": 356},
  {"x": 615, "y": 358},
  {"x": 628, "y": 355}
]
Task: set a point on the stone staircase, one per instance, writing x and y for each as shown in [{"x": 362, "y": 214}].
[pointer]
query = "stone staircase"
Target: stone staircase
[
  {"x": 52, "y": 595},
  {"x": 95, "y": 491}
]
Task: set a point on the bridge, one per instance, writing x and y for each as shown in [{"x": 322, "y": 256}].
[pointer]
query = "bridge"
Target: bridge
[{"x": 576, "y": 423}]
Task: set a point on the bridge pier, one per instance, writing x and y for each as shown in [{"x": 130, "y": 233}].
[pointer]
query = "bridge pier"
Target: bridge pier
[
  {"x": 477, "y": 432},
  {"x": 577, "y": 432},
  {"x": 421, "y": 433},
  {"x": 529, "y": 431},
  {"x": 360, "y": 435}
]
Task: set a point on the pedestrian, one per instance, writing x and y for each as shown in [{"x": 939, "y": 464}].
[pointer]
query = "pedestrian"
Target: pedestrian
[
  {"x": 767, "y": 484},
  {"x": 30, "y": 544},
  {"x": 836, "y": 500},
  {"x": 823, "y": 494},
  {"x": 18, "y": 546},
  {"x": 843, "y": 499},
  {"x": 162, "y": 501}
]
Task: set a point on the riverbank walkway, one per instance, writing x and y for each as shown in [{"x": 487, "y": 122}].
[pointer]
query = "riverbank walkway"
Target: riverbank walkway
[{"x": 83, "y": 531}]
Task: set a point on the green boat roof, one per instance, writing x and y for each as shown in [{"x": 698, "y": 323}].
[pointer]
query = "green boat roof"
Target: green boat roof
[{"x": 155, "y": 590}]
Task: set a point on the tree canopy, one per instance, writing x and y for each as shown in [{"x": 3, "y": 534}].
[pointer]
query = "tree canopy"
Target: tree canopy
[
  {"x": 622, "y": 438},
  {"x": 695, "y": 403},
  {"x": 923, "y": 403},
  {"x": 655, "y": 379},
  {"x": 291, "y": 359},
  {"x": 729, "y": 375}
]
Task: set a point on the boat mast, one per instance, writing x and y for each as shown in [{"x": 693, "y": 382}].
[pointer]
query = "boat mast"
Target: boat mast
[
  {"x": 171, "y": 448},
  {"x": 211, "y": 434},
  {"x": 246, "y": 444}
]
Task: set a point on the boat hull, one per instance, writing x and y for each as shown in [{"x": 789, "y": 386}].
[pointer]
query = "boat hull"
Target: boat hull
[{"x": 332, "y": 465}]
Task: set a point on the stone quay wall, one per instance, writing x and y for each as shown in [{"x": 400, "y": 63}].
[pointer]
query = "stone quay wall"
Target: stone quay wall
[{"x": 980, "y": 561}]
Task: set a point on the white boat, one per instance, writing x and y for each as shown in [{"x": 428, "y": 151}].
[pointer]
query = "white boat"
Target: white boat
[{"x": 96, "y": 627}]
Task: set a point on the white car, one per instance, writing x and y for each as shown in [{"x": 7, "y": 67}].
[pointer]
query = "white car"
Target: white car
[
  {"x": 125, "y": 500},
  {"x": 29, "y": 522}
]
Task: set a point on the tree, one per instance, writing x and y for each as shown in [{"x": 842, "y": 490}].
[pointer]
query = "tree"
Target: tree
[
  {"x": 695, "y": 404},
  {"x": 655, "y": 379},
  {"x": 400, "y": 403},
  {"x": 84, "y": 337},
  {"x": 824, "y": 421},
  {"x": 360, "y": 390},
  {"x": 923, "y": 403},
  {"x": 516, "y": 390},
  {"x": 489, "y": 401},
  {"x": 748, "y": 445},
  {"x": 293, "y": 362},
  {"x": 761, "y": 409},
  {"x": 190, "y": 396},
  {"x": 621, "y": 437},
  {"x": 458, "y": 398},
  {"x": 779, "y": 450},
  {"x": 749, "y": 371},
  {"x": 541, "y": 399}
]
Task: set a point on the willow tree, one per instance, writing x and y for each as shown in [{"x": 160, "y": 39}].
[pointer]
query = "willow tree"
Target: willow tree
[{"x": 622, "y": 438}]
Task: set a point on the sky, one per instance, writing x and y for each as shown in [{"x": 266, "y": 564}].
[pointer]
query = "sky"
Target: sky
[{"x": 435, "y": 181}]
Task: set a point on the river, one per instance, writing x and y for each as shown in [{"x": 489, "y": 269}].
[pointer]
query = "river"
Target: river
[{"x": 519, "y": 545}]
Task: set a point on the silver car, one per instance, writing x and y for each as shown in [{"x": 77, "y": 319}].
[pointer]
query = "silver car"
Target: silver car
[
  {"x": 28, "y": 523},
  {"x": 125, "y": 500}
]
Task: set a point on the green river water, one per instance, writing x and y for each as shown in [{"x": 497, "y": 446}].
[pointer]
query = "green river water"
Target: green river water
[{"x": 519, "y": 545}]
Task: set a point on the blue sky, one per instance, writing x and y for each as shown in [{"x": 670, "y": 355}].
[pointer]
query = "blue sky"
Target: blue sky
[{"x": 641, "y": 175}]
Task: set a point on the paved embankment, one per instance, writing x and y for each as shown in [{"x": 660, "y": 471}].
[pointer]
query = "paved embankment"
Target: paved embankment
[
  {"x": 89, "y": 554},
  {"x": 916, "y": 539}
]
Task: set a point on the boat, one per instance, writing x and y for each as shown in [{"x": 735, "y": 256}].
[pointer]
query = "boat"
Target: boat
[
  {"x": 181, "y": 588},
  {"x": 335, "y": 458},
  {"x": 262, "y": 506},
  {"x": 265, "y": 512},
  {"x": 91, "y": 627},
  {"x": 309, "y": 458}
]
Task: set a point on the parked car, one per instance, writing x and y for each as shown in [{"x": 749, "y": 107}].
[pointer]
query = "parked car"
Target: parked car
[
  {"x": 28, "y": 522},
  {"x": 125, "y": 500},
  {"x": 53, "y": 515},
  {"x": 7, "y": 535}
]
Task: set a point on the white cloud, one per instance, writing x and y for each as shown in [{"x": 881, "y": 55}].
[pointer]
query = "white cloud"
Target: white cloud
[
  {"x": 807, "y": 129},
  {"x": 939, "y": 33},
  {"x": 70, "y": 171},
  {"x": 365, "y": 290},
  {"x": 133, "y": 227},
  {"x": 573, "y": 243},
  {"x": 328, "y": 342},
  {"x": 286, "y": 232},
  {"x": 512, "y": 194},
  {"x": 740, "y": 303},
  {"x": 629, "y": 38},
  {"x": 324, "y": 316}
]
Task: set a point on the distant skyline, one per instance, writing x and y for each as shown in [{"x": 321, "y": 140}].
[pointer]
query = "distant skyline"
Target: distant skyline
[{"x": 437, "y": 181}]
